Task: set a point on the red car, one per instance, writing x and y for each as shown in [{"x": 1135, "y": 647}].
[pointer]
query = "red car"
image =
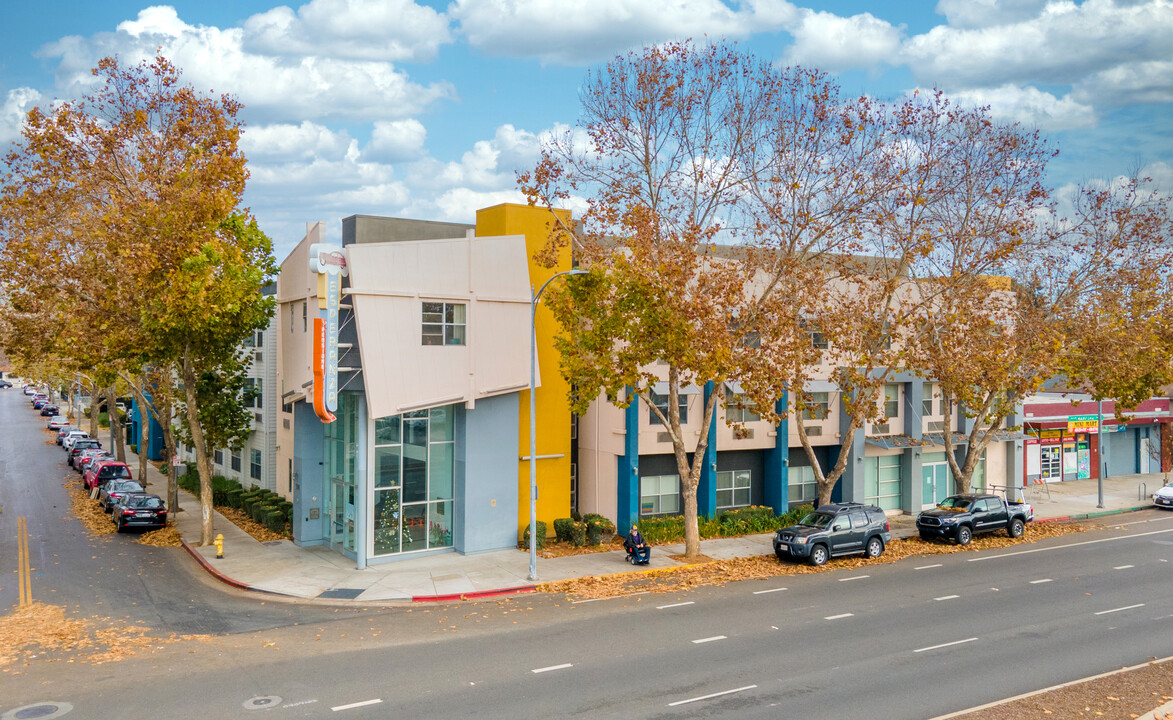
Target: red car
[{"x": 100, "y": 473}]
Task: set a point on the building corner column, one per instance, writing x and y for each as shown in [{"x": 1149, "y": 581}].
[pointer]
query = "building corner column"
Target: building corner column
[
  {"x": 706, "y": 490},
  {"x": 627, "y": 477}
]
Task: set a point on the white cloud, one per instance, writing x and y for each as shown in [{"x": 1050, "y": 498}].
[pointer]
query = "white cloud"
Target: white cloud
[
  {"x": 270, "y": 87},
  {"x": 1030, "y": 106},
  {"x": 1129, "y": 83},
  {"x": 13, "y": 111},
  {"x": 582, "y": 31},
  {"x": 364, "y": 29},
  {"x": 396, "y": 140},
  {"x": 461, "y": 204},
  {"x": 490, "y": 164},
  {"x": 306, "y": 140},
  {"x": 984, "y": 13},
  {"x": 1062, "y": 44},
  {"x": 833, "y": 43}
]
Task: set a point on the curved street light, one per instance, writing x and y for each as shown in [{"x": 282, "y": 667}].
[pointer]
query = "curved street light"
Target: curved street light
[{"x": 533, "y": 441}]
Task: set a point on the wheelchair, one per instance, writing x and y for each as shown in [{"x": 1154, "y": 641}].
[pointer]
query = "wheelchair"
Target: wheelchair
[{"x": 633, "y": 555}]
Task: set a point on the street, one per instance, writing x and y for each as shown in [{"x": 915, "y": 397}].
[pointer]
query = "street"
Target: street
[{"x": 913, "y": 639}]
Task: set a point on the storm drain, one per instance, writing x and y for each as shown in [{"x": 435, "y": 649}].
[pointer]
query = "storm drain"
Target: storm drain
[
  {"x": 42, "y": 711},
  {"x": 341, "y": 593},
  {"x": 263, "y": 702}
]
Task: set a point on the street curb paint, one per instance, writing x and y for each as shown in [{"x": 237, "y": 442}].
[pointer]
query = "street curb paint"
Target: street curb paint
[
  {"x": 212, "y": 570},
  {"x": 451, "y": 597}
]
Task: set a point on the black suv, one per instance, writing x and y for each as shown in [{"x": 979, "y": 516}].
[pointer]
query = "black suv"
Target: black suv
[{"x": 833, "y": 530}]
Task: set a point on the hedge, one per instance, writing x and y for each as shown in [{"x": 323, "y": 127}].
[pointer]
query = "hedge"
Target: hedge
[
  {"x": 729, "y": 523},
  {"x": 541, "y": 536}
]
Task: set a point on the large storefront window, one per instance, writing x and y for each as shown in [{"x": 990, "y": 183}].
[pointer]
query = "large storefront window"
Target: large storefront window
[
  {"x": 882, "y": 481},
  {"x": 803, "y": 486},
  {"x": 341, "y": 442},
  {"x": 414, "y": 466}
]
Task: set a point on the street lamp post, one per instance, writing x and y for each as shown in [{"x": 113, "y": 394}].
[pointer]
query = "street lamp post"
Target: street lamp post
[{"x": 533, "y": 425}]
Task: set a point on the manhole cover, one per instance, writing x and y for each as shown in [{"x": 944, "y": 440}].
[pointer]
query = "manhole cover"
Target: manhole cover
[
  {"x": 274, "y": 542},
  {"x": 262, "y": 702},
  {"x": 42, "y": 711},
  {"x": 341, "y": 593}
]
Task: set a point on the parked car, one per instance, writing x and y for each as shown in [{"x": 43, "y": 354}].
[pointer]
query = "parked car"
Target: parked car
[
  {"x": 77, "y": 446},
  {"x": 834, "y": 530},
  {"x": 88, "y": 457},
  {"x": 139, "y": 510},
  {"x": 5, "y": 384},
  {"x": 39, "y": 401},
  {"x": 49, "y": 410},
  {"x": 30, "y": 390},
  {"x": 72, "y": 437},
  {"x": 63, "y": 431},
  {"x": 57, "y": 421},
  {"x": 960, "y": 517},
  {"x": 99, "y": 472},
  {"x": 1164, "y": 497},
  {"x": 115, "y": 489}
]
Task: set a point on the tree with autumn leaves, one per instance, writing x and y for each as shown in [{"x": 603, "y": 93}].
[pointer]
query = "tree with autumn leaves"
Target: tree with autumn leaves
[
  {"x": 126, "y": 247},
  {"x": 750, "y": 223}
]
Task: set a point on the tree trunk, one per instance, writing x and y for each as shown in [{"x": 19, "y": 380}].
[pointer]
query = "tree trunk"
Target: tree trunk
[
  {"x": 117, "y": 434},
  {"x": 95, "y": 396},
  {"x": 197, "y": 438}
]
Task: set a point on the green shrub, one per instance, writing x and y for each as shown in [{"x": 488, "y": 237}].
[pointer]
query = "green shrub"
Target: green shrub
[
  {"x": 599, "y": 529},
  {"x": 540, "y": 538},
  {"x": 233, "y": 497},
  {"x": 275, "y": 520},
  {"x": 657, "y": 530},
  {"x": 562, "y": 529},
  {"x": 578, "y": 534}
]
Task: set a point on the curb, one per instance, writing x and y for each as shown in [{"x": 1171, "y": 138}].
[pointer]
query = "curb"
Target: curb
[
  {"x": 211, "y": 569},
  {"x": 1093, "y": 515},
  {"x": 452, "y": 597}
]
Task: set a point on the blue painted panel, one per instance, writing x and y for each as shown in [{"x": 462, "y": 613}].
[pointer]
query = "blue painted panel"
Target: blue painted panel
[
  {"x": 706, "y": 491},
  {"x": 487, "y": 508},
  {"x": 309, "y": 477},
  {"x": 627, "y": 477},
  {"x": 776, "y": 473}
]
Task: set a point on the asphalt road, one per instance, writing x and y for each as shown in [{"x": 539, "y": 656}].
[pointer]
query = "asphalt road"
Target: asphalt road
[
  {"x": 913, "y": 639},
  {"x": 112, "y": 575}
]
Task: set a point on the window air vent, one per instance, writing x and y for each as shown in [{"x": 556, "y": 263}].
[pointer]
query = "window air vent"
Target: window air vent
[
  {"x": 936, "y": 426},
  {"x": 663, "y": 437},
  {"x": 813, "y": 430},
  {"x": 259, "y": 418},
  {"x": 881, "y": 429},
  {"x": 285, "y": 423}
]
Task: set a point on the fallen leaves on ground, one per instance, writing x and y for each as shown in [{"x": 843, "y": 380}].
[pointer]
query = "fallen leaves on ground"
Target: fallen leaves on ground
[
  {"x": 44, "y": 630},
  {"x": 719, "y": 572},
  {"x": 163, "y": 537},
  {"x": 557, "y": 548},
  {"x": 88, "y": 512},
  {"x": 241, "y": 520}
]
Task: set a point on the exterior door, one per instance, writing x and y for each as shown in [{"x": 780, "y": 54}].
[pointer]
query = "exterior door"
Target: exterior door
[
  {"x": 935, "y": 477},
  {"x": 341, "y": 514}
]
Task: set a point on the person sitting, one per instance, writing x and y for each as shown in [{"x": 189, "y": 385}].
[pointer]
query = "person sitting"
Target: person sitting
[{"x": 637, "y": 550}]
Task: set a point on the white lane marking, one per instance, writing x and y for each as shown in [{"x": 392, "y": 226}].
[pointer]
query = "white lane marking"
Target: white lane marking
[
  {"x": 947, "y": 597},
  {"x": 563, "y": 666},
  {"x": 836, "y": 617},
  {"x": 763, "y": 592},
  {"x": 1123, "y": 567},
  {"x": 709, "y": 639},
  {"x": 857, "y": 577},
  {"x": 712, "y": 695},
  {"x": 1038, "y": 582},
  {"x": 1069, "y": 545},
  {"x": 364, "y": 703},
  {"x": 944, "y": 645},
  {"x": 926, "y": 567},
  {"x": 996, "y": 703},
  {"x": 1129, "y": 607},
  {"x": 580, "y": 602},
  {"x": 665, "y": 607}
]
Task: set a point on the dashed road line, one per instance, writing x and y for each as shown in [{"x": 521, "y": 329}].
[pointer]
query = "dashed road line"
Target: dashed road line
[
  {"x": 364, "y": 703},
  {"x": 945, "y": 645},
  {"x": 763, "y": 592},
  {"x": 1070, "y": 545},
  {"x": 926, "y": 567},
  {"x": 1123, "y": 567},
  {"x": 709, "y": 639},
  {"x": 711, "y": 695},
  {"x": 1039, "y": 582},
  {"x": 1128, "y": 607},
  {"x": 947, "y": 597},
  {"x": 855, "y": 577},
  {"x": 837, "y": 617},
  {"x": 665, "y": 607},
  {"x": 563, "y": 666}
]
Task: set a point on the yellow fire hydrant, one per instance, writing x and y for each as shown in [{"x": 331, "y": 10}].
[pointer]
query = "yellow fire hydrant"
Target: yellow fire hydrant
[{"x": 219, "y": 543}]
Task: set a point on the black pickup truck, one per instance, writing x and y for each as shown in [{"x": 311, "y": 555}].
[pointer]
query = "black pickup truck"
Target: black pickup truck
[{"x": 960, "y": 517}]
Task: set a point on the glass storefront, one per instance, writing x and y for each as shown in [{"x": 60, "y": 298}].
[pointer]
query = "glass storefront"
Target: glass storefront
[
  {"x": 341, "y": 443},
  {"x": 414, "y": 481}
]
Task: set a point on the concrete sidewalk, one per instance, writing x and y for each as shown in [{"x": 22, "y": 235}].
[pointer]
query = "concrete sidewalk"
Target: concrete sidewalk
[{"x": 283, "y": 568}]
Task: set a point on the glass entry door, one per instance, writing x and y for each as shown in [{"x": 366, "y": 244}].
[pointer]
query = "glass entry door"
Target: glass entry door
[
  {"x": 935, "y": 475},
  {"x": 341, "y": 513}
]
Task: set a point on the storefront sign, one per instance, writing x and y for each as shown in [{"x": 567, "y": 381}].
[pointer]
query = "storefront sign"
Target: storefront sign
[
  {"x": 1083, "y": 423},
  {"x": 328, "y": 262}
]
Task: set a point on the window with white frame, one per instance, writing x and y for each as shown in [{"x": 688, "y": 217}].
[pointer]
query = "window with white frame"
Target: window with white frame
[
  {"x": 927, "y": 402},
  {"x": 659, "y": 495},
  {"x": 254, "y": 464},
  {"x": 218, "y": 457},
  {"x": 741, "y": 410},
  {"x": 818, "y": 406},
  {"x": 891, "y": 400},
  {"x": 235, "y": 461},
  {"x": 444, "y": 323},
  {"x": 802, "y": 485},
  {"x": 661, "y": 402},
  {"x": 733, "y": 488}
]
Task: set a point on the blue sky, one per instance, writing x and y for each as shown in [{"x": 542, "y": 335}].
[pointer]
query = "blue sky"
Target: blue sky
[{"x": 426, "y": 109}]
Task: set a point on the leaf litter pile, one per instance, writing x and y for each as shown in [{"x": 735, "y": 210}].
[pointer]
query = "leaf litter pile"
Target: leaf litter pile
[
  {"x": 719, "y": 572},
  {"x": 97, "y": 522},
  {"x": 40, "y": 630}
]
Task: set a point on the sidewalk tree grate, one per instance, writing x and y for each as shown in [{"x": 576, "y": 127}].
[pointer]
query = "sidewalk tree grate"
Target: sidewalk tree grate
[
  {"x": 341, "y": 593},
  {"x": 263, "y": 702},
  {"x": 40, "y": 711}
]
